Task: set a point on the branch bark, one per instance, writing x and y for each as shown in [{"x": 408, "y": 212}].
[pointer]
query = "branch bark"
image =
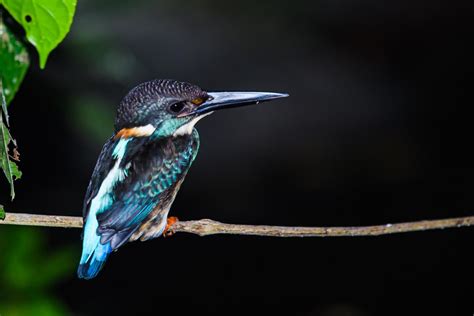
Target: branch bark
[{"x": 206, "y": 227}]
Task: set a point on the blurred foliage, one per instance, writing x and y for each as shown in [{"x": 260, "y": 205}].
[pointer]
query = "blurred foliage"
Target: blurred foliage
[
  {"x": 91, "y": 117},
  {"x": 29, "y": 271},
  {"x": 46, "y": 22}
]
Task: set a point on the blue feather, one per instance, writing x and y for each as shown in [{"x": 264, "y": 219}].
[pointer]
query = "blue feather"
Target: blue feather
[
  {"x": 90, "y": 268},
  {"x": 125, "y": 197},
  {"x": 94, "y": 253}
]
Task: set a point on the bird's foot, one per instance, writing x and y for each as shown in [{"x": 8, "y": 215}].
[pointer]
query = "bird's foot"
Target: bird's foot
[{"x": 168, "y": 231}]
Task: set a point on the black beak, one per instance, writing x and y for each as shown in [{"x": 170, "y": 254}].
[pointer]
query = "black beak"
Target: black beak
[{"x": 224, "y": 100}]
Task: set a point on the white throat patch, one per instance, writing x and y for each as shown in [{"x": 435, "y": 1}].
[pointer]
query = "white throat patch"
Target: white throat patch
[{"x": 187, "y": 128}]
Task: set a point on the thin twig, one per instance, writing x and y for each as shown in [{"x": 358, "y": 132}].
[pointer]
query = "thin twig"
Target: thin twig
[{"x": 206, "y": 227}]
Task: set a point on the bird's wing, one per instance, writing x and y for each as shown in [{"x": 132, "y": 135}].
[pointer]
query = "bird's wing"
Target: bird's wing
[
  {"x": 139, "y": 175},
  {"x": 102, "y": 167}
]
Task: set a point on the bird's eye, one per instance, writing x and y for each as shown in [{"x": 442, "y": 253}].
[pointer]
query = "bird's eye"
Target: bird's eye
[{"x": 177, "y": 107}]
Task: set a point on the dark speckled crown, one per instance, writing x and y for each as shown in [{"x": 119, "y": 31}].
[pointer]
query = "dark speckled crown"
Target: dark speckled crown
[{"x": 141, "y": 101}]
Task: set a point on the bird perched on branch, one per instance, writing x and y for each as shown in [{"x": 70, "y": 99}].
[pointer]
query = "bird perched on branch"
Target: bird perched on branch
[{"x": 142, "y": 166}]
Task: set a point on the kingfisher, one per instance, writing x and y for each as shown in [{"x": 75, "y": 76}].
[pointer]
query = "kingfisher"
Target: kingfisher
[{"x": 142, "y": 166}]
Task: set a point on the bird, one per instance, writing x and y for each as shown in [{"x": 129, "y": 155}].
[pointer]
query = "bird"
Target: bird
[{"x": 143, "y": 164}]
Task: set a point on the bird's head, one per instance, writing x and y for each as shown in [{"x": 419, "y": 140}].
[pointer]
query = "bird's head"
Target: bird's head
[{"x": 170, "y": 108}]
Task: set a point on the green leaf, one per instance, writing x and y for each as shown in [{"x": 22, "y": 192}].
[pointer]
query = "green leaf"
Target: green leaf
[
  {"x": 16, "y": 173},
  {"x": 10, "y": 169},
  {"x": 14, "y": 61},
  {"x": 46, "y": 22},
  {"x": 2, "y": 212}
]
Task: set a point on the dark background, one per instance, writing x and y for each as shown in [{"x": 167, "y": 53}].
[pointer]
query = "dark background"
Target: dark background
[{"x": 378, "y": 129}]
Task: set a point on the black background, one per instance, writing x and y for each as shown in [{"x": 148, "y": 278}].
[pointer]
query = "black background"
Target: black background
[{"x": 378, "y": 129}]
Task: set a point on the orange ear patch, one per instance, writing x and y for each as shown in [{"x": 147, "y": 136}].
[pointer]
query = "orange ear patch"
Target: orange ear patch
[{"x": 140, "y": 131}]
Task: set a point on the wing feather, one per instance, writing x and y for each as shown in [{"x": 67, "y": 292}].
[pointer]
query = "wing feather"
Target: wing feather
[{"x": 150, "y": 171}]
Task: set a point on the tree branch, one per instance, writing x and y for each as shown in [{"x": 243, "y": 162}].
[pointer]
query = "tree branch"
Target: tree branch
[{"x": 206, "y": 227}]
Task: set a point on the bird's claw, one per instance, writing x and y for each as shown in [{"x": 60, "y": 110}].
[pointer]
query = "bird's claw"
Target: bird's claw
[{"x": 168, "y": 231}]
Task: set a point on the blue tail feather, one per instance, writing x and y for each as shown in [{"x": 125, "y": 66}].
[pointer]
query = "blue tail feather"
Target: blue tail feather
[{"x": 90, "y": 265}]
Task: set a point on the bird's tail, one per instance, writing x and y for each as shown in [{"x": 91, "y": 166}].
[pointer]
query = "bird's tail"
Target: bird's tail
[{"x": 91, "y": 263}]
